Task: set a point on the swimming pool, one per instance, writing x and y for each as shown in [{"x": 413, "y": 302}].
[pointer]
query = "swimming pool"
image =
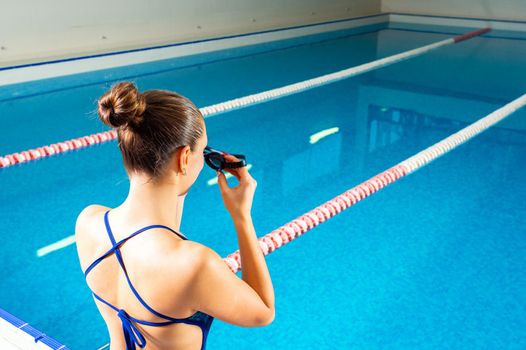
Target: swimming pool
[{"x": 435, "y": 260}]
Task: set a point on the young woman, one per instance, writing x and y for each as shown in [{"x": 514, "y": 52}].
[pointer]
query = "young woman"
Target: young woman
[{"x": 154, "y": 287}]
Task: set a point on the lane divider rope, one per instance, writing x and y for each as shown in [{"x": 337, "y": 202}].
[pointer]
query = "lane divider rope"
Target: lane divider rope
[
  {"x": 241, "y": 102},
  {"x": 297, "y": 227}
]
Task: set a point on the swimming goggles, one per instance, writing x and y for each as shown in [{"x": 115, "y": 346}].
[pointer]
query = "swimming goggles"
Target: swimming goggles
[{"x": 216, "y": 160}]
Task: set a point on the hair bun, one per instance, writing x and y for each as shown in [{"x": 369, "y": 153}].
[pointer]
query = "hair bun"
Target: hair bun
[{"x": 122, "y": 105}]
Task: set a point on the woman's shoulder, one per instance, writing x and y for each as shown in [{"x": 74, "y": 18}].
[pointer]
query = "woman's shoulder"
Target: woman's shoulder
[
  {"x": 88, "y": 212},
  {"x": 192, "y": 253},
  {"x": 83, "y": 225},
  {"x": 85, "y": 218}
]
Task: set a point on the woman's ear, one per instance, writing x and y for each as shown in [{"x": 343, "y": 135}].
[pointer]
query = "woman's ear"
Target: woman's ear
[{"x": 184, "y": 158}]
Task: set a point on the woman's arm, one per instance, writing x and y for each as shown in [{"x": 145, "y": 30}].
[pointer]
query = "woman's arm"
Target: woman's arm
[
  {"x": 217, "y": 291},
  {"x": 179, "y": 215}
]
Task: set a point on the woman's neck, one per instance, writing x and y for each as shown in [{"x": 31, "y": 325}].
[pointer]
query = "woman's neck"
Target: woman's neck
[{"x": 159, "y": 202}]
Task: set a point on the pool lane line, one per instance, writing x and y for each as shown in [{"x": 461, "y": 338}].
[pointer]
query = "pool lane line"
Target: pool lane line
[
  {"x": 241, "y": 102},
  {"x": 295, "y": 228},
  {"x": 50, "y": 248}
]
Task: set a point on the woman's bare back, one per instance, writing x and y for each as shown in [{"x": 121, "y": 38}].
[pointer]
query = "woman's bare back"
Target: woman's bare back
[{"x": 150, "y": 259}]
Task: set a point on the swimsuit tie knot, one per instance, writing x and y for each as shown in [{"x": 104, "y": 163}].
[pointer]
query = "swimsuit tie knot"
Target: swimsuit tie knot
[{"x": 131, "y": 332}]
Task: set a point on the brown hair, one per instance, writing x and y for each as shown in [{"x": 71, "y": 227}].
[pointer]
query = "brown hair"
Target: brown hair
[{"x": 150, "y": 125}]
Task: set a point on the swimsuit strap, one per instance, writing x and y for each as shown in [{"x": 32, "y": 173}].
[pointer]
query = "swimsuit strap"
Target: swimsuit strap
[
  {"x": 132, "y": 335},
  {"x": 119, "y": 243},
  {"x": 121, "y": 262}
]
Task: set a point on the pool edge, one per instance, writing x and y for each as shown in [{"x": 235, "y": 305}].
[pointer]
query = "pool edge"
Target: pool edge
[{"x": 21, "y": 335}]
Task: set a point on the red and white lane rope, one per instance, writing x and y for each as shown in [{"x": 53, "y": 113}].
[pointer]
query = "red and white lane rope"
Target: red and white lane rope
[
  {"x": 56, "y": 148},
  {"x": 241, "y": 102},
  {"x": 295, "y": 228}
]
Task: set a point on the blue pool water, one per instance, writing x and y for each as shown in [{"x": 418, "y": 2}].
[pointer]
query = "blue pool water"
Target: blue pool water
[{"x": 435, "y": 260}]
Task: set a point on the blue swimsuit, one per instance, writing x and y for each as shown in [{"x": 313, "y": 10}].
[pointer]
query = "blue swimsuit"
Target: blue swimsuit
[{"x": 131, "y": 333}]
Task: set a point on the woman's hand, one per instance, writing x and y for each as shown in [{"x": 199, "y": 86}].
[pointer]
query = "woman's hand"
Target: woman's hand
[{"x": 238, "y": 199}]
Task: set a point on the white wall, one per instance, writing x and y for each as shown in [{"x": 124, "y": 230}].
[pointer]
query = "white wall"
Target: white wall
[
  {"x": 493, "y": 9},
  {"x": 41, "y": 30}
]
